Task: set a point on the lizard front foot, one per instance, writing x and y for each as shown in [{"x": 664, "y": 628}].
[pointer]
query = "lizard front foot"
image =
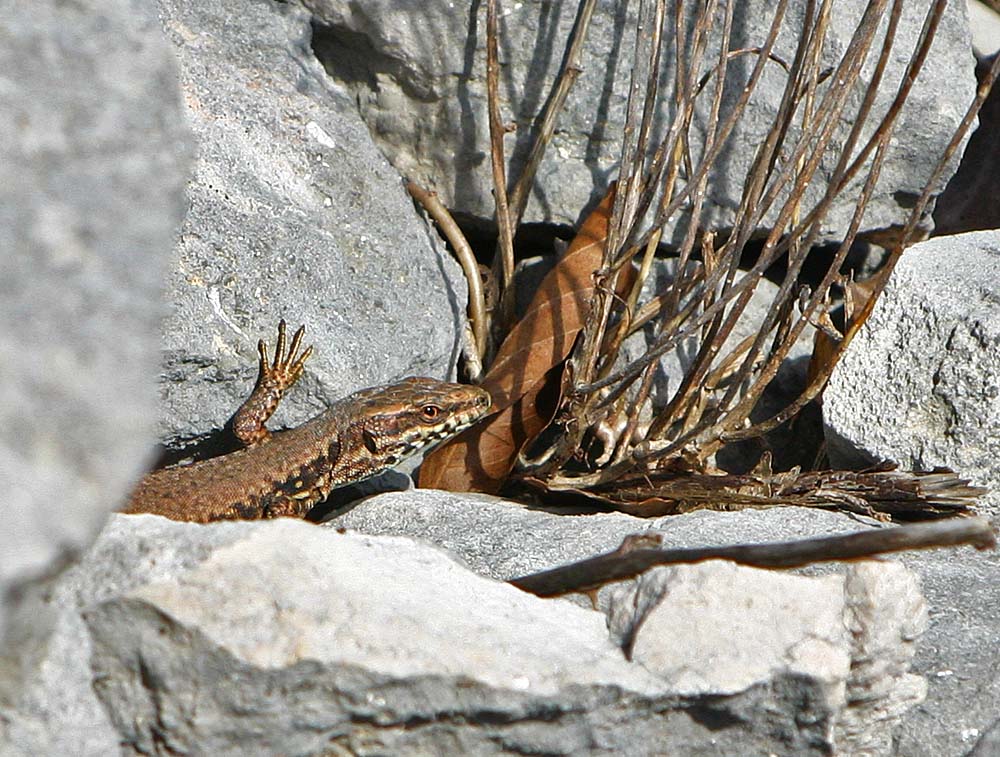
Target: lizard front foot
[{"x": 272, "y": 380}]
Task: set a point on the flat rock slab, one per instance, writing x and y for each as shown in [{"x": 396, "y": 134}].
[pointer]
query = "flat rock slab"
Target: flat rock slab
[
  {"x": 286, "y": 637},
  {"x": 293, "y": 213},
  {"x": 957, "y": 653},
  {"x": 920, "y": 383}
]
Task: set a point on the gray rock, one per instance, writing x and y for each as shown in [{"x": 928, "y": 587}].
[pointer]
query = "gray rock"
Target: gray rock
[
  {"x": 857, "y": 628},
  {"x": 494, "y": 537},
  {"x": 55, "y": 710},
  {"x": 956, "y": 654},
  {"x": 93, "y": 155},
  {"x": 286, "y": 637},
  {"x": 418, "y": 70},
  {"x": 920, "y": 384},
  {"x": 293, "y": 213},
  {"x": 989, "y": 744}
]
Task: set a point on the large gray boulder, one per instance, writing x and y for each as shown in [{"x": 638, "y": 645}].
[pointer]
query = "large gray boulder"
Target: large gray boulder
[
  {"x": 93, "y": 157},
  {"x": 293, "y": 212},
  {"x": 920, "y": 383},
  {"x": 286, "y": 637},
  {"x": 418, "y": 71},
  {"x": 955, "y": 655}
]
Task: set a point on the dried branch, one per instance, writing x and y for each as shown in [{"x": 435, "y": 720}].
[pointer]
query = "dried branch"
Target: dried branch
[
  {"x": 470, "y": 267},
  {"x": 603, "y": 442},
  {"x": 628, "y": 562},
  {"x": 497, "y": 131},
  {"x": 564, "y": 83}
]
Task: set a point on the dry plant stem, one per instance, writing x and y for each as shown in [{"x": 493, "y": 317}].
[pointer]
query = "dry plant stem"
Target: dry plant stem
[
  {"x": 595, "y": 572},
  {"x": 644, "y": 70},
  {"x": 671, "y": 203},
  {"x": 849, "y": 68},
  {"x": 630, "y": 372},
  {"x": 477, "y": 301},
  {"x": 497, "y": 131},
  {"x": 627, "y": 202},
  {"x": 741, "y": 292},
  {"x": 710, "y": 136},
  {"x": 727, "y": 429},
  {"x": 885, "y": 130},
  {"x": 567, "y": 77},
  {"x": 819, "y": 382},
  {"x": 651, "y": 25},
  {"x": 710, "y": 345},
  {"x": 865, "y": 153},
  {"x": 820, "y": 294},
  {"x": 634, "y": 409},
  {"x": 736, "y": 415}
]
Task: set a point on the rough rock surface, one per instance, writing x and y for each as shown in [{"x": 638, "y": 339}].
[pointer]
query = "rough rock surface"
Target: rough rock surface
[
  {"x": 284, "y": 636},
  {"x": 956, "y": 655},
  {"x": 744, "y": 644},
  {"x": 293, "y": 213},
  {"x": 418, "y": 70},
  {"x": 93, "y": 156},
  {"x": 920, "y": 384}
]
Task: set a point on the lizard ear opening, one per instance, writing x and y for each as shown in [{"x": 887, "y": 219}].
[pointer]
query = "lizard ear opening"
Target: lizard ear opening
[{"x": 369, "y": 439}]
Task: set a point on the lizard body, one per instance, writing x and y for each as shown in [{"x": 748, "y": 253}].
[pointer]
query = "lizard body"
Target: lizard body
[{"x": 286, "y": 473}]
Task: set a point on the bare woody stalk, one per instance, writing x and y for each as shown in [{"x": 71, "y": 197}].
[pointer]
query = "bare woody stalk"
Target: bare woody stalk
[
  {"x": 741, "y": 291},
  {"x": 470, "y": 267},
  {"x": 628, "y": 561},
  {"x": 583, "y": 364},
  {"x": 814, "y": 388},
  {"x": 547, "y": 124},
  {"x": 497, "y": 131},
  {"x": 723, "y": 384}
]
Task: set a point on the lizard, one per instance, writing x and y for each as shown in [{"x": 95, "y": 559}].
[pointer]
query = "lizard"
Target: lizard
[{"x": 285, "y": 473}]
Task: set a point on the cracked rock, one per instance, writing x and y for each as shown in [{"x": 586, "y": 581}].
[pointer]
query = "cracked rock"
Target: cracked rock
[
  {"x": 920, "y": 383},
  {"x": 285, "y": 637},
  {"x": 294, "y": 213}
]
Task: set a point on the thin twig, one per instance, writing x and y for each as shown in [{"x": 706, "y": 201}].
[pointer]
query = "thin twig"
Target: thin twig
[
  {"x": 497, "y": 131},
  {"x": 470, "y": 267},
  {"x": 567, "y": 78},
  {"x": 625, "y": 563}
]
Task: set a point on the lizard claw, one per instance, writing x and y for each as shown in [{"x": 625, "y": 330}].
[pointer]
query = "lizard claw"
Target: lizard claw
[
  {"x": 273, "y": 378},
  {"x": 286, "y": 368}
]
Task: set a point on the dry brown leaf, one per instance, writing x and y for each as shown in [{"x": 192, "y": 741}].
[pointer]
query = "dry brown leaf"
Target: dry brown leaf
[
  {"x": 826, "y": 352},
  {"x": 482, "y": 457}
]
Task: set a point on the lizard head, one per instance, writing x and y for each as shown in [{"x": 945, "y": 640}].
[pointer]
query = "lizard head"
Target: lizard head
[{"x": 415, "y": 414}]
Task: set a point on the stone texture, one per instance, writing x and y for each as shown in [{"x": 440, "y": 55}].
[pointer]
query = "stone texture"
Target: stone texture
[
  {"x": 956, "y": 654},
  {"x": 287, "y": 637},
  {"x": 293, "y": 213},
  {"x": 810, "y": 657},
  {"x": 418, "y": 70},
  {"x": 919, "y": 385},
  {"x": 93, "y": 155}
]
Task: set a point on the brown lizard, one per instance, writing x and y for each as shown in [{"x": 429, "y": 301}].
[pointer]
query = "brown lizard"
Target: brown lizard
[{"x": 287, "y": 472}]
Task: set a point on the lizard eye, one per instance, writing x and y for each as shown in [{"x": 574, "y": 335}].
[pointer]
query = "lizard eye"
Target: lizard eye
[{"x": 430, "y": 412}]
